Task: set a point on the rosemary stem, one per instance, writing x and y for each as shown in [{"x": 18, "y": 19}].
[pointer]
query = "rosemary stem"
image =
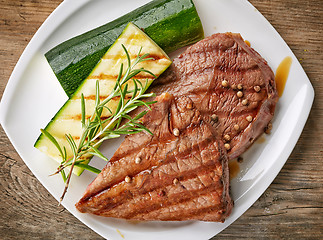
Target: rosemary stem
[{"x": 67, "y": 181}]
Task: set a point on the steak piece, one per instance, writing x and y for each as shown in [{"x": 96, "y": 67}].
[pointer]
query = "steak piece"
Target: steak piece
[
  {"x": 230, "y": 84},
  {"x": 178, "y": 173}
]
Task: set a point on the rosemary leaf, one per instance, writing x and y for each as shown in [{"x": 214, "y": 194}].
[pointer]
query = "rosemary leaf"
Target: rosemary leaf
[
  {"x": 130, "y": 109},
  {"x": 135, "y": 90},
  {"x": 53, "y": 140},
  {"x": 63, "y": 175},
  {"x": 88, "y": 167},
  {"x": 97, "y": 153},
  {"x": 140, "y": 115},
  {"x": 71, "y": 142},
  {"x": 83, "y": 110}
]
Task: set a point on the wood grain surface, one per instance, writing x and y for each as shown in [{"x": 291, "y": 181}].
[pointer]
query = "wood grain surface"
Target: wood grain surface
[{"x": 291, "y": 208}]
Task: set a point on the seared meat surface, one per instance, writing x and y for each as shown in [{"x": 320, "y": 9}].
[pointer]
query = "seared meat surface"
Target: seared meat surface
[
  {"x": 213, "y": 102},
  {"x": 178, "y": 173},
  {"x": 230, "y": 84}
]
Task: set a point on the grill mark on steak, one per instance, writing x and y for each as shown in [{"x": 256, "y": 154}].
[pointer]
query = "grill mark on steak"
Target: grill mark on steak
[
  {"x": 195, "y": 157},
  {"x": 198, "y": 206},
  {"x": 156, "y": 176},
  {"x": 188, "y": 190},
  {"x": 170, "y": 202},
  {"x": 167, "y": 195}
]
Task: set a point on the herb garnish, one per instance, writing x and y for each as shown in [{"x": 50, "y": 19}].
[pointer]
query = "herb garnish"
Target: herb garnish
[{"x": 95, "y": 129}]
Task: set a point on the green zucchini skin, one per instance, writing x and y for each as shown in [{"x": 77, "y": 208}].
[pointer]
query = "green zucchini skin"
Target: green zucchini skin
[{"x": 172, "y": 24}]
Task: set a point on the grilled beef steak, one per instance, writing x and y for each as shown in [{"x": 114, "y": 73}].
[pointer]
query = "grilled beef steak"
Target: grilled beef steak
[
  {"x": 230, "y": 84},
  {"x": 222, "y": 96},
  {"x": 178, "y": 173}
]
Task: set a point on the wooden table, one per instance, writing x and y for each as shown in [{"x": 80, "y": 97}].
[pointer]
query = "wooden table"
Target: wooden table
[{"x": 291, "y": 208}]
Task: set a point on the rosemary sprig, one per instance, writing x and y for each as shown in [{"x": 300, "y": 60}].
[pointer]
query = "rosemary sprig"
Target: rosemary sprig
[{"x": 96, "y": 130}]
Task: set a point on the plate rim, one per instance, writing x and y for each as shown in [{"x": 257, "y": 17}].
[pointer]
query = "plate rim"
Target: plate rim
[{"x": 66, "y": 8}]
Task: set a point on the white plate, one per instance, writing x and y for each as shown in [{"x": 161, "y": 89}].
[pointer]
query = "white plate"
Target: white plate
[{"x": 33, "y": 96}]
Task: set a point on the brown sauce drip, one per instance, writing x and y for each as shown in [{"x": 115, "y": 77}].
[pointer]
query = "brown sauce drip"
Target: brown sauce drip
[
  {"x": 247, "y": 42},
  {"x": 261, "y": 139},
  {"x": 282, "y": 73},
  {"x": 234, "y": 169}
]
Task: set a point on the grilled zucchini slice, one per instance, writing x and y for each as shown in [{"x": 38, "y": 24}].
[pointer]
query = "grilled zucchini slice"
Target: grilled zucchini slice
[{"x": 68, "y": 119}]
